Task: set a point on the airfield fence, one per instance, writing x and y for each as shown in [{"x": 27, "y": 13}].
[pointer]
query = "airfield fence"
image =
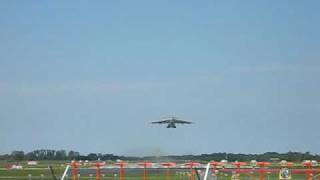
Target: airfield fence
[
  {"x": 153, "y": 174},
  {"x": 162, "y": 171}
]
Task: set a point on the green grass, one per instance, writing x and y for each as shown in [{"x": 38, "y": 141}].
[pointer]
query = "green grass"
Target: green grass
[
  {"x": 42, "y": 171},
  {"x": 37, "y": 174}
]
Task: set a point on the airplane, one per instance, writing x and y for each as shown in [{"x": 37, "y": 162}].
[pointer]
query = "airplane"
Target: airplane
[{"x": 172, "y": 121}]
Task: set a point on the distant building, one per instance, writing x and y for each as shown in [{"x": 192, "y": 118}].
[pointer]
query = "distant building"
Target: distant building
[
  {"x": 32, "y": 163},
  {"x": 16, "y": 167},
  {"x": 275, "y": 159}
]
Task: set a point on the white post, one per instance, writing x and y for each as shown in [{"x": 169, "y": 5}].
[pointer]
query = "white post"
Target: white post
[
  {"x": 207, "y": 172},
  {"x": 65, "y": 172}
]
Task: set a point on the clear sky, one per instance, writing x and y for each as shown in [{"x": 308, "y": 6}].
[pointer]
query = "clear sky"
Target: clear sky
[{"x": 91, "y": 76}]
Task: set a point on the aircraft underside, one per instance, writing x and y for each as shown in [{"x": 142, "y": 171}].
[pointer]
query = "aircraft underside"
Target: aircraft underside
[{"x": 171, "y": 125}]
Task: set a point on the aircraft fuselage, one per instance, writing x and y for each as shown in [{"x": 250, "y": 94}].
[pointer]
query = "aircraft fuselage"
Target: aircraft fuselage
[{"x": 171, "y": 125}]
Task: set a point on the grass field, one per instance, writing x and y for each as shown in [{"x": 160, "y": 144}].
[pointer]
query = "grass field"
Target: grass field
[{"x": 42, "y": 171}]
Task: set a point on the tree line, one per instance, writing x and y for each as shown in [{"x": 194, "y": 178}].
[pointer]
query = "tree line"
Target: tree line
[{"x": 47, "y": 154}]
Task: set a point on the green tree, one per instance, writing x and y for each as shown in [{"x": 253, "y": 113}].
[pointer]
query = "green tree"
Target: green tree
[
  {"x": 61, "y": 155},
  {"x": 17, "y": 155}
]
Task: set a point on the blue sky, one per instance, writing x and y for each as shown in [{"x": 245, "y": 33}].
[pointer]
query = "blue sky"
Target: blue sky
[{"x": 90, "y": 76}]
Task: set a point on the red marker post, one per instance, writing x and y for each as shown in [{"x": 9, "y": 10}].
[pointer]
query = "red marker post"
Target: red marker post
[
  {"x": 191, "y": 165},
  {"x": 168, "y": 165},
  {"x": 262, "y": 169},
  {"x": 121, "y": 171},
  {"x": 215, "y": 165},
  {"x": 145, "y": 165},
  {"x": 98, "y": 165},
  {"x": 308, "y": 171},
  {"x": 238, "y": 166},
  {"x": 74, "y": 165}
]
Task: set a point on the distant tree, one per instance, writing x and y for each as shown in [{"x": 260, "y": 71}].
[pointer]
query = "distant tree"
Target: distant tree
[
  {"x": 46, "y": 154},
  {"x": 5, "y": 157},
  {"x": 109, "y": 157},
  {"x": 73, "y": 155},
  {"x": 92, "y": 156},
  {"x": 50, "y": 154},
  {"x": 17, "y": 155},
  {"x": 82, "y": 157},
  {"x": 31, "y": 156},
  {"x": 61, "y": 155}
]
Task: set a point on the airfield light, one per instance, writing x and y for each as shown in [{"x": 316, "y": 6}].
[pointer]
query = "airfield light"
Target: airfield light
[
  {"x": 314, "y": 163},
  {"x": 253, "y": 163},
  {"x": 145, "y": 165},
  {"x": 98, "y": 165},
  {"x": 168, "y": 165},
  {"x": 74, "y": 165},
  {"x": 284, "y": 163},
  {"x": 262, "y": 169},
  {"x": 284, "y": 172},
  {"x": 122, "y": 172},
  {"x": 191, "y": 165}
]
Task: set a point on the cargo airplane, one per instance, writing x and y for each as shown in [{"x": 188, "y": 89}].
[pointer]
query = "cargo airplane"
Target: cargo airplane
[{"x": 172, "y": 121}]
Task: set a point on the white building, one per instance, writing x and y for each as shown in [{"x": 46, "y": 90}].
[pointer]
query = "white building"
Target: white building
[
  {"x": 16, "y": 167},
  {"x": 32, "y": 163}
]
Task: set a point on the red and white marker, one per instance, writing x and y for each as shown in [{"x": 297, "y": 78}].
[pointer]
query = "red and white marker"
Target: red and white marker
[
  {"x": 168, "y": 165},
  {"x": 145, "y": 165}
]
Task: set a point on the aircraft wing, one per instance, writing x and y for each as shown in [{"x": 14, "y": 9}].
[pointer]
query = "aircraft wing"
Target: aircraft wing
[
  {"x": 161, "y": 122},
  {"x": 182, "y": 122}
]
